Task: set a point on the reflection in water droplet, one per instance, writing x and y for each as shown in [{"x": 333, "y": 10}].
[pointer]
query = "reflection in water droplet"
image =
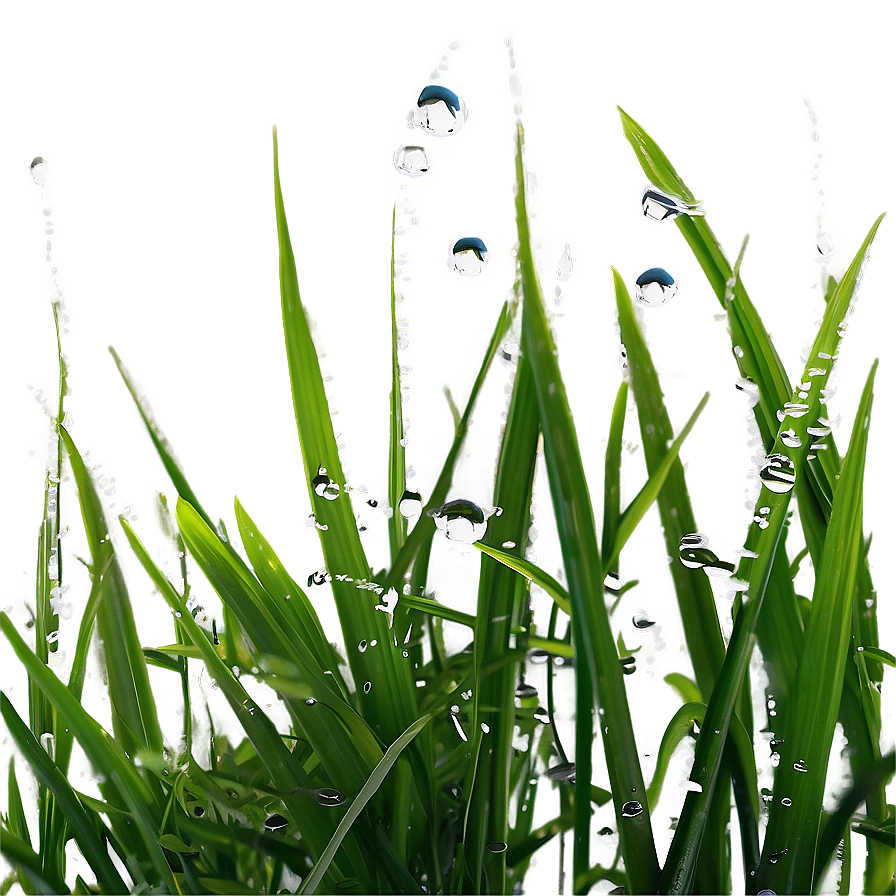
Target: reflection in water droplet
[
  {"x": 440, "y": 111},
  {"x": 496, "y": 846},
  {"x": 564, "y": 266},
  {"x": 778, "y": 474},
  {"x": 329, "y": 796},
  {"x": 657, "y": 205},
  {"x": 563, "y": 771},
  {"x": 411, "y": 160},
  {"x": 631, "y": 809},
  {"x": 655, "y": 287},
  {"x": 411, "y": 504},
  {"x": 469, "y": 256},
  {"x": 275, "y": 822},
  {"x": 40, "y": 172},
  {"x": 460, "y": 520}
]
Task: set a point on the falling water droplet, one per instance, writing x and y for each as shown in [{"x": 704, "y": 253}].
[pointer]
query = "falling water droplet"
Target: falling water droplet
[
  {"x": 276, "y": 822},
  {"x": 657, "y": 205},
  {"x": 440, "y": 111},
  {"x": 563, "y": 771},
  {"x": 564, "y": 266},
  {"x": 329, "y": 796},
  {"x": 460, "y": 520},
  {"x": 778, "y": 474},
  {"x": 655, "y": 287},
  {"x": 411, "y": 504},
  {"x": 469, "y": 256},
  {"x": 411, "y": 160},
  {"x": 641, "y": 620},
  {"x": 496, "y": 846},
  {"x": 631, "y": 809},
  {"x": 40, "y": 172}
]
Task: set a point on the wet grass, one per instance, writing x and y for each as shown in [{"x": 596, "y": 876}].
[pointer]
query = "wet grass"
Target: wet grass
[{"x": 406, "y": 771}]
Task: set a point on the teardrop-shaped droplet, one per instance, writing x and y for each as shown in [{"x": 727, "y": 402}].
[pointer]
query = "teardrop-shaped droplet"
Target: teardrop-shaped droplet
[
  {"x": 693, "y": 540},
  {"x": 642, "y": 620},
  {"x": 778, "y": 474},
  {"x": 440, "y": 111},
  {"x": 275, "y": 822},
  {"x": 362, "y": 646},
  {"x": 749, "y": 389},
  {"x": 460, "y": 520},
  {"x": 655, "y": 287},
  {"x": 824, "y": 246},
  {"x": 329, "y": 796},
  {"x": 773, "y": 858},
  {"x": 469, "y": 256},
  {"x": 657, "y": 205},
  {"x": 411, "y": 160},
  {"x": 411, "y": 504},
  {"x": 323, "y": 486},
  {"x": 631, "y": 809},
  {"x": 563, "y": 771},
  {"x": 496, "y": 846},
  {"x": 40, "y": 172},
  {"x": 697, "y": 558},
  {"x": 564, "y": 266}
]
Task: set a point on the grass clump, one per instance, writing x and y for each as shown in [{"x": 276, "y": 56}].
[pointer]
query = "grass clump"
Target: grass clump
[{"x": 404, "y": 772}]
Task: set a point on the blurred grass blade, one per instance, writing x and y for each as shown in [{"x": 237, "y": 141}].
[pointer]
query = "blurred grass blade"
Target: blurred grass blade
[
  {"x": 81, "y": 827},
  {"x": 398, "y": 524},
  {"x": 27, "y": 862},
  {"x": 809, "y": 729},
  {"x": 544, "y": 580},
  {"x": 311, "y": 882},
  {"x": 612, "y": 473},
  {"x": 642, "y": 502},
  {"x": 600, "y": 675}
]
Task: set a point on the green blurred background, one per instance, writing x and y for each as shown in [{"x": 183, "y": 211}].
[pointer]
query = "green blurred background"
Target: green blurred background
[{"x": 155, "y": 119}]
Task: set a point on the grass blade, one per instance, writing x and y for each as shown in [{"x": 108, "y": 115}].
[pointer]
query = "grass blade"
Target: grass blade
[
  {"x": 526, "y": 568},
  {"x": 612, "y": 472},
  {"x": 398, "y": 525},
  {"x": 600, "y": 675},
  {"x": 809, "y": 729},
  {"x": 311, "y": 882},
  {"x": 28, "y": 863}
]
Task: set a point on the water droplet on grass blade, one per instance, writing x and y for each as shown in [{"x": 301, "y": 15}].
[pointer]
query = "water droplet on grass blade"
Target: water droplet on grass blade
[
  {"x": 48, "y": 742},
  {"x": 641, "y": 620},
  {"x": 773, "y": 858},
  {"x": 526, "y": 691},
  {"x": 786, "y": 801},
  {"x": 697, "y": 558},
  {"x": 411, "y": 160},
  {"x": 778, "y": 474},
  {"x": 40, "y": 172},
  {"x": 800, "y": 766},
  {"x": 655, "y": 287},
  {"x": 791, "y": 438},
  {"x": 631, "y": 809},
  {"x": 496, "y": 846},
  {"x": 439, "y": 111},
  {"x": 564, "y": 266},
  {"x": 469, "y": 256},
  {"x": 460, "y": 520},
  {"x": 329, "y": 796},
  {"x": 275, "y": 822},
  {"x": 824, "y": 246},
  {"x": 411, "y": 504},
  {"x": 323, "y": 486},
  {"x": 657, "y": 205}
]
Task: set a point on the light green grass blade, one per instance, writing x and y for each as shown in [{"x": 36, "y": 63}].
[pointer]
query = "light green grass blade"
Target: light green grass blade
[
  {"x": 684, "y": 687},
  {"x": 15, "y": 818},
  {"x": 600, "y": 675},
  {"x": 762, "y": 539},
  {"x": 315, "y": 876},
  {"x": 809, "y": 728},
  {"x": 440, "y": 611},
  {"x": 642, "y": 502},
  {"x": 398, "y": 525},
  {"x": 389, "y": 704},
  {"x": 612, "y": 474},
  {"x": 526, "y": 568}
]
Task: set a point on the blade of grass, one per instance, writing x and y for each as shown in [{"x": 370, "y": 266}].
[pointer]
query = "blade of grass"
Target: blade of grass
[
  {"x": 315, "y": 876},
  {"x": 612, "y": 471},
  {"x": 600, "y": 675},
  {"x": 809, "y": 729},
  {"x": 398, "y": 526},
  {"x": 28, "y": 863},
  {"x": 526, "y": 568}
]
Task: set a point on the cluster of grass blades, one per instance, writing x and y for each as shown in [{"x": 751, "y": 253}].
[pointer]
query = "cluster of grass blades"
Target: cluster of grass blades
[{"x": 403, "y": 776}]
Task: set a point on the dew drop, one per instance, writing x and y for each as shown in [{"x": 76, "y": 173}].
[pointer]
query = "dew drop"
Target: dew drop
[
  {"x": 794, "y": 409},
  {"x": 496, "y": 846},
  {"x": 655, "y": 287},
  {"x": 697, "y": 558},
  {"x": 694, "y": 540},
  {"x": 362, "y": 646},
  {"x": 510, "y": 355},
  {"x": 329, "y": 796},
  {"x": 641, "y": 620},
  {"x": 439, "y": 111},
  {"x": 53, "y": 637},
  {"x": 469, "y": 256},
  {"x": 411, "y": 160},
  {"x": 786, "y": 801},
  {"x": 48, "y": 742},
  {"x": 800, "y": 766},
  {"x": 778, "y": 474},
  {"x": 367, "y": 687},
  {"x": 460, "y": 520},
  {"x": 824, "y": 246},
  {"x": 657, "y": 205},
  {"x": 275, "y": 822},
  {"x": 311, "y": 702},
  {"x": 40, "y": 172},
  {"x": 773, "y": 858},
  {"x": 791, "y": 438},
  {"x": 411, "y": 504},
  {"x": 631, "y": 809},
  {"x": 564, "y": 266},
  {"x": 766, "y": 893},
  {"x": 323, "y": 486}
]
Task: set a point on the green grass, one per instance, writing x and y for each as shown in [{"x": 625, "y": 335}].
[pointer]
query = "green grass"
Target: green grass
[{"x": 400, "y": 772}]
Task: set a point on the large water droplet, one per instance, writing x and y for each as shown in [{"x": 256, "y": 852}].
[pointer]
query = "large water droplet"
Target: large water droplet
[
  {"x": 496, "y": 846},
  {"x": 631, "y": 809},
  {"x": 411, "y": 504},
  {"x": 563, "y": 771},
  {"x": 693, "y": 540},
  {"x": 40, "y": 172},
  {"x": 766, "y": 893},
  {"x": 564, "y": 266},
  {"x": 469, "y": 256},
  {"x": 440, "y": 111},
  {"x": 276, "y": 822},
  {"x": 329, "y": 796},
  {"x": 323, "y": 486},
  {"x": 778, "y": 474},
  {"x": 411, "y": 160},
  {"x": 655, "y": 287},
  {"x": 657, "y": 205},
  {"x": 460, "y": 520}
]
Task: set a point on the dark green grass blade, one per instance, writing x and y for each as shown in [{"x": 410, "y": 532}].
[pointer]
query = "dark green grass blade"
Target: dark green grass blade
[
  {"x": 15, "y": 818},
  {"x": 703, "y": 635},
  {"x": 680, "y": 868},
  {"x": 398, "y": 527},
  {"x": 390, "y": 703},
  {"x": 105, "y": 753},
  {"x": 612, "y": 471},
  {"x": 809, "y": 728},
  {"x": 600, "y": 675},
  {"x": 27, "y": 862},
  {"x": 82, "y": 828},
  {"x": 311, "y": 882}
]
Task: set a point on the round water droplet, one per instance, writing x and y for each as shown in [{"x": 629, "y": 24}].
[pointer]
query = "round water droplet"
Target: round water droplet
[
  {"x": 538, "y": 657},
  {"x": 694, "y": 540},
  {"x": 697, "y": 558},
  {"x": 563, "y": 771},
  {"x": 276, "y": 822},
  {"x": 329, "y": 796},
  {"x": 311, "y": 702},
  {"x": 460, "y": 520},
  {"x": 642, "y": 620},
  {"x": 48, "y": 742},
  {"x": 564, "y": 266},
  {"x": 469, "y": 256},
  {"x": 496, "y": 846},
  {"x": 655, "y": 287},
  {"x": 40, "y": 172},
  {"x": 410, "y": 505},
  {"x": 631, "y": 809},
  {"x": 778, "y": 474},
  {"x": 439, "y": 111},
  {"x": 411, "y": 160}
]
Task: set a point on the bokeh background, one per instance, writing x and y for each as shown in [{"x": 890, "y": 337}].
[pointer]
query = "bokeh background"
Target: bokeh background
[{"x": 156, "y": 126}]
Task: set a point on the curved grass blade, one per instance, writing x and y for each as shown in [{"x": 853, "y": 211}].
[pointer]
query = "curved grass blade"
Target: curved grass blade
[
  {"x": 311, "y": 882},
  {"x": 809, "y": 729},
  {"x": 535, "y": 574},
  {"x": 612, "y": 471},
  {"x": 82, "y": 828},
  {"x": 686, "y": 689},
  {"x": 600, "y": 675},
  {"x": 762, "y": 540}
]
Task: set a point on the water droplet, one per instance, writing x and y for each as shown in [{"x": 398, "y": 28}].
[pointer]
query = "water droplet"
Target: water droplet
[
  {"x": 800, "y": 766},
  {"x": 469, "y": 256},
  {"x": 655, "y": 287},
  {"x": 198, "y": 811},
  {"x": 410, "y": 505},
  {"x": 367, "y": 687},
  {"x": 460, "y": 520},
  {"x": 541, "y": 715},
  {"x": 818, "y": 432},
  {"x": 786, "y": 801},
  {"x": 791, "y": 438},
  {"x": 794, "y": 409},
  {"x": 631, "y": 809},
  {"x": 329, "y": 796},
  {"x": 778, "y": 474},
  {"x": 694, "y": 540},
  {"x": 657, "y": 205},
  {"x": 53, "y": 637},
  {"x": 749, "y": 388},
  {"x": 323, "y": 486},
  {"x": 563, "y": 771},
  {"x": 766, "y": 893},
  {"x": 439, "y": 111},
  {"x": 508, "y": 545},
  {"x": 496, "y": 846},
  {"x": 48, "y": 742},
  {"x": 641, "y": 620},
  {"x": 510, "y": 355},
  {"x": 411, "y": 160},
  {"x": 692, "y": 786},
  {"x": 276, "y": 822},
  {"x": 564, "y": 266},
  {"x": 526, "y": 691},
  {"x": 311, "y": 702},
  {"x": 362, "y": 646},
  {"x": 318, "y": 578},
  {"x": 773, "y": 858},
  {"x": 824, "y": 246},
  {"x": 697, "y": 558},
  {"x": 40, "y": 172}
]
